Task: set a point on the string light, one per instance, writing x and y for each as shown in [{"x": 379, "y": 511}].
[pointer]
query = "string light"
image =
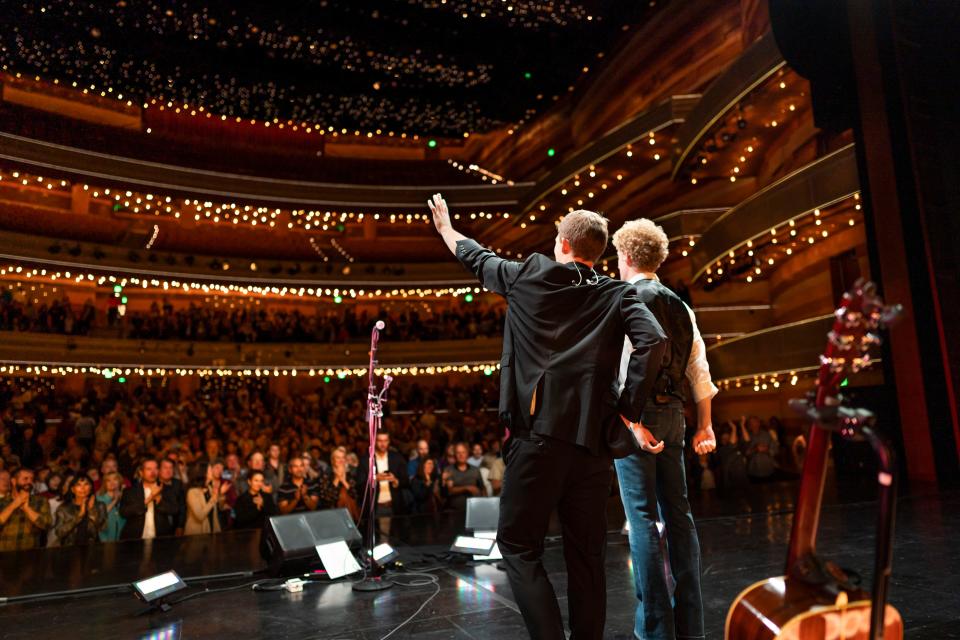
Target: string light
[
  {"x": 9, "y": 368},
  {"x": 129, "y": 202},
  {"x": 291, "y": 289}
]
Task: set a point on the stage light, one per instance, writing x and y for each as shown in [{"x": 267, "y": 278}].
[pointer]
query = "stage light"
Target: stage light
[
  {"x": 527, "y": 75},
  {"x": 117, "y": 288},
  {"x": 551, "y": 152},
  {"x": 153, "y": 590},
  {"x": 326, "y": 378},
  {"x": 338, "y": 299},
  {"x": 468, "y": 297},
  {"x": 432, "y": 143}
]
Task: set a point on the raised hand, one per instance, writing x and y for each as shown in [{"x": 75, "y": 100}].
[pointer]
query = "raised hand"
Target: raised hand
[{"x": 440, "y": 211}]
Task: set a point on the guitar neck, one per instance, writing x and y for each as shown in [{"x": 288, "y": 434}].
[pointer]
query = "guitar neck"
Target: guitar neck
[{"x": 806, "y": 517}]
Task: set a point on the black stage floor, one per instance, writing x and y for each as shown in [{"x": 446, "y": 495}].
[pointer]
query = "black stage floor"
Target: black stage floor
[{"x": 473, "y": 601}]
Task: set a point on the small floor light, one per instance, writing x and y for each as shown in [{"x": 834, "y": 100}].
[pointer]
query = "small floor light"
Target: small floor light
[{"x": 154, "y": 590}]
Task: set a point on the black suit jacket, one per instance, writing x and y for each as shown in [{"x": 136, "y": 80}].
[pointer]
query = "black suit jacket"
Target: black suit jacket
[
  {"x": 398, "y": 467},
  {"x": 166, "y": 512},
  {"x": 563, "y": 337}
]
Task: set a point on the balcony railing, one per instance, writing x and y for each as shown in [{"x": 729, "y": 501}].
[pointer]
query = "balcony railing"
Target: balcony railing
[
  {"x": 780, "y": 349},
  {"x": 37, "y": 348},
  {"x": 130, "y": 172},
  {"x": 760, "y": 61},
  {"x": 821, "y": 183}
]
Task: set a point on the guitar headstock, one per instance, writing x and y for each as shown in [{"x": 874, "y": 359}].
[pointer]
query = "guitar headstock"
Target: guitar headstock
[{"x": 860, "y": 316}]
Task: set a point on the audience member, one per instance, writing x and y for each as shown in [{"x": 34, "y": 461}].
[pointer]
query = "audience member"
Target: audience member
[
  {"x": 421, "y": 453},
  {"x": 168, "y": 478},
  {"x": 256, "y": 462},
  {"x": 493, "y": 462},
  {"x": 81, "y": 518},
  {"x": 273, "y": 470},
  {"x": 254, "y": 507},
  {"x": 425, "y": 487},
  {"x": 476, "y": 457},
  {"x": 297, "y": 493},
  {"x": 390, "y": 475},
  {"x": 24, "y": 517},
  {"x": 338, "y": 486},
  {"x": 760, "y": 449},
  {"x": 203, "y": 499},
  {"x": 111, "y": 489},
  {"x": 461, "y": 480},
  {"x": 149, "y": 508}
]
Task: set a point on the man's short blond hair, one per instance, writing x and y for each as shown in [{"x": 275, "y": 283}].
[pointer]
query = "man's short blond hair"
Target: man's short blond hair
[
  {"x": 644, "y": 242},
  {"x": 586, "y": 231}
]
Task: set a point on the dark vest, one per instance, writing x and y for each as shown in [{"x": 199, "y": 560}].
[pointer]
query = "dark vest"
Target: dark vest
[{"x": 672, "y": 314}]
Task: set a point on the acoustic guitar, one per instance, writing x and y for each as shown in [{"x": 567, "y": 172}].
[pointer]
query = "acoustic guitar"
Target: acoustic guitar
[{"x": 816, "y": 600}]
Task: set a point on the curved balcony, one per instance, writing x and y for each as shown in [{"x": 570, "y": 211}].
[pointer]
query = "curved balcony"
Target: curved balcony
[
  {"x": 85, "y": 257},
  {"x": 819, "y": 184},
  {"x": 186, "y": 181},
  {"x": 789, "y": 347},
  {"x": 672, "y": 111},
  {"x": 26, "y": 349},
  {"x": 686, "y": 223},
  {"x": 758, "y": 62}
]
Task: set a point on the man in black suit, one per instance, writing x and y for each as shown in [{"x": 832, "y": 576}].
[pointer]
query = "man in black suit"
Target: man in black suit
[
  {"x": 390, "y": 475},
  {"x": 559, "y": 399},
  {"x": 150, "y": 507}
]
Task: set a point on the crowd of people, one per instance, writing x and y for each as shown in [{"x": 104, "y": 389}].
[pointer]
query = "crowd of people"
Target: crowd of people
[
  {"x": 163, "y": 321},
  {"x": 18, "y": 313},
  {"x": 126, "y": 463},
  {"x": 749, "y": 451},
  {"x": 197, "y": 323}
]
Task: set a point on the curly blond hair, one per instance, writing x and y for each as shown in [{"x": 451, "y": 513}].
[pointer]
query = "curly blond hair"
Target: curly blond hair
[{"x": 644, "y": 242}]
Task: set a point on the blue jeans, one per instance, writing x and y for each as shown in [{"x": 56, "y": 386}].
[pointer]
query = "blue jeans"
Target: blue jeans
[{"x": 654, "y": 486}]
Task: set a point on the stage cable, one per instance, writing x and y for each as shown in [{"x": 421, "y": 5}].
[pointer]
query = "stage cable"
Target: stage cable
[{"x": 430, "y": 579}]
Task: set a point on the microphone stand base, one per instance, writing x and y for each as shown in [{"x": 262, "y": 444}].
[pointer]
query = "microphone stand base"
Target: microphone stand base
[{"x": 372, "y": 583}]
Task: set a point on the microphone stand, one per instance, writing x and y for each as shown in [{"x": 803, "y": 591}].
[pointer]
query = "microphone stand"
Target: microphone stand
[{"x": 373, "y": 572}]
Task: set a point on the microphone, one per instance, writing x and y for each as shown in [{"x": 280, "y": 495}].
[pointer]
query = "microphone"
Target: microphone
[{"x": 379, "y": 326}]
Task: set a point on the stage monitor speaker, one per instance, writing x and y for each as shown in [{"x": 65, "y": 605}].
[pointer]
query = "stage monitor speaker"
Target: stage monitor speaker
[
  {"x": 483, "y": 514},
  {"x": 290, "y": 542}
]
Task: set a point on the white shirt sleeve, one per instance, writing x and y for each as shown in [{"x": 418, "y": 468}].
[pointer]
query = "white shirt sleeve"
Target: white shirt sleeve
[
  {"x": 698, "y": 370},
  {"x": 624, "y": 361}
]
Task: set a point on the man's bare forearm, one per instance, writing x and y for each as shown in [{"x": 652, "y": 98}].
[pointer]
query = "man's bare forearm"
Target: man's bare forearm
[
  {"x": 451, "y": 238},
  {"x": 704, "y": 419}
]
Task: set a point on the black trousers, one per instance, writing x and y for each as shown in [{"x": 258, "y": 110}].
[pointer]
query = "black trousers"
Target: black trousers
[{"x": 543, "y": 474}]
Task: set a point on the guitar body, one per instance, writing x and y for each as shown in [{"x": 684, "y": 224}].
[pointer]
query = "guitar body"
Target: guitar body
[{"x": 789, "y": 609}]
